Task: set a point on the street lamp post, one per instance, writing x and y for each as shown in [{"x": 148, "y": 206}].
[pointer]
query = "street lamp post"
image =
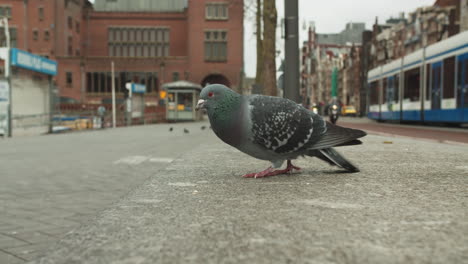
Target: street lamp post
[
  {"x": 4, "y": 23},
  {"x": 291, "y": 73}
]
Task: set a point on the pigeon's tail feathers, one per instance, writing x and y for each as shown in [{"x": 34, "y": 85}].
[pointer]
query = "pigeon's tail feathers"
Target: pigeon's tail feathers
[
  {"x": 338, "y": 136},
  {"x": 331, "y": 156},
  {"x": 350, "y": 143}
]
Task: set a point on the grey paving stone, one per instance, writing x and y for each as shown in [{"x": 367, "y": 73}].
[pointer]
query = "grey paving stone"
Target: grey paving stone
[
  {"x": 9, "y": 242},
  {"x": 33, "y": 237},
  {"x": 58, "y": 232},
  {"x": 6, "y": 258},
  {"x": 29, "y": 252}
]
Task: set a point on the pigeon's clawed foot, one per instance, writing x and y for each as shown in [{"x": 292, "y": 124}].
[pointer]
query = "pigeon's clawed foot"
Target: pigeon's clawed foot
[
  {"x": 290, "y": 166},
  {"x": 271, "y": 172}
]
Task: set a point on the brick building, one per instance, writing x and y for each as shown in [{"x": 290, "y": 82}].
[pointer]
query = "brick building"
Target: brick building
[
  {"x": 150, "y": 42},
  {"x": 422, "y": 27}
]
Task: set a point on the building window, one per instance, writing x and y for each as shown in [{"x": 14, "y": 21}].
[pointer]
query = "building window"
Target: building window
[
  {"x": 77, "y": 27},
  {"x": 99, "y": 82},
  {"x": 46, "y": 35},
  {"x": 138, "y": 42},
  {"x": 70, "y": 22},
  {"x": 12, "y": 38},
  {"x": 69, "y": 79},
  {"x": 70, "y": 46},
  {"x": 175, "y": 76},
  {"x": 41, "y": 13},
  {"x": 5, "y": 11},
  {"x": 35, "y": 34},
  {"x": 215, "y": 45},
  {"x": 216, "y": 11}
]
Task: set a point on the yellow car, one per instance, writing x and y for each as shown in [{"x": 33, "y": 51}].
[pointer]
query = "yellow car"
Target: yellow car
[{"x": 348, "y": 110}]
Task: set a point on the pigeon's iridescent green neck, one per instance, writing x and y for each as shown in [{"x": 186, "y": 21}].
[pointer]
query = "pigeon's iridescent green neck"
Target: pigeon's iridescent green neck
[{"x": 225, "y": 110}]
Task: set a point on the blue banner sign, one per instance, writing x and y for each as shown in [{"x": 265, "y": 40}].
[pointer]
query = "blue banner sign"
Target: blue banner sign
[
  {"x": 138, "y": 88},
  {"x": 23, "y": 59}
]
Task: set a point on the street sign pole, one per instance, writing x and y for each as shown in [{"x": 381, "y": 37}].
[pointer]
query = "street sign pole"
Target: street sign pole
[
  {"x": 4, "y": 23},
  {"x": 291, "y": 66},
  {"x": 128, "y": 86},
  {"x": 113, "y": 96}
]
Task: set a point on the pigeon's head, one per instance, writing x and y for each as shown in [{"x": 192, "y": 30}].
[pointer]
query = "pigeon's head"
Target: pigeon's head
[{"x": 214, "y": 94}]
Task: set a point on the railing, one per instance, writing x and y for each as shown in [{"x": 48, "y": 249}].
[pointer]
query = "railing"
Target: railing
[
  {"x": 85, "y": 116},
  {"x": 69, "y": 117},
  {"x": 28, "y": 121}
]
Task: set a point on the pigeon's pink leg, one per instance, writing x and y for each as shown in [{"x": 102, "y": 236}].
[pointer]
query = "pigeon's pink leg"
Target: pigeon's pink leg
[
  {"x": 271, "y": 172},
  {"x": 291, "y": 166}
]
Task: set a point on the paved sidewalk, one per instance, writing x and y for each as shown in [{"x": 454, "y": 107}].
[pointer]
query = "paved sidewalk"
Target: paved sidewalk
[
  {"x": 50, "y": 185},
  {"x": 407, "y": 205}
]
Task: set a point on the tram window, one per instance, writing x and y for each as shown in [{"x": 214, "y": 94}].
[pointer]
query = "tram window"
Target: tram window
[
  {"x": 449, "y": 82},
  {"x": 374, "y": 93},
  {"x": 436, "y": 79},
  {"x": 396, "y": 90},
  {"x": 412, "y": 83}
]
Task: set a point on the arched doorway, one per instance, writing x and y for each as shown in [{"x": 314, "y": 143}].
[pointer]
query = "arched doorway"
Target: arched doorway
[{"x": 215, "y": 78}]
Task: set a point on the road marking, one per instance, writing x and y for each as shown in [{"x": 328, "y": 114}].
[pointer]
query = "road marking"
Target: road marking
[
  {"x": 132, "y": 160},
  {"x": 136, "y": 160},
  {"x": 182, "y": 184},
  {"x": 331, "y": 204},
  {"x": 162, "y": 160},
  {"x": 465, "y": 168},
  {"x": 147, "y": 201}
]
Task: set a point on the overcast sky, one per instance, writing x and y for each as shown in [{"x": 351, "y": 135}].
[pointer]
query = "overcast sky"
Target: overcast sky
[{"x": 330, "y": 16}]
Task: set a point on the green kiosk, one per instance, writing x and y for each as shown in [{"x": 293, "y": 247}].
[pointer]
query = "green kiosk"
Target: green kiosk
[{"x": 181, "y": 99}]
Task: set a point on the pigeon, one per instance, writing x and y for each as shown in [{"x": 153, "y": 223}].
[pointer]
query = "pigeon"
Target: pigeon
[
  {"x": 274, "y": 129},
  {"x": 170, "y": 129},
  {"x": 203, "y": 127},
  {"x": 186, "y": 131}
]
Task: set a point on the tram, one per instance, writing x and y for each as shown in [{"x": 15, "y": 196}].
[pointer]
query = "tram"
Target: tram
[{"x": 429, "y": 85}]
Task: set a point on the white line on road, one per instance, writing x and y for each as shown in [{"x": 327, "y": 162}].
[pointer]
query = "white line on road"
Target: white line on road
[
  {"x": 162, "y": 160},
  {"x": 182, "y": 184},
  {"x": 333, "y": 205},
  {"x": 136, "y": 160}
]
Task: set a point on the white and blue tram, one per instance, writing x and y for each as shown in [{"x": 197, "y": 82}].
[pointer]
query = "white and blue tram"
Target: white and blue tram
[{"x": 428, "y": 85}]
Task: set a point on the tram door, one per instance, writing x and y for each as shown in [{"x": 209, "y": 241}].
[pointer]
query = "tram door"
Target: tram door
[
  {"x": 436, "y": 85},
  {"x": 462, "y": 83},
  {"x": 390, "y": 92}
]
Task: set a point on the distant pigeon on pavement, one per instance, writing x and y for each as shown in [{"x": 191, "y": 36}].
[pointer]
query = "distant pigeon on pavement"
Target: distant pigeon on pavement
[
  {"x": 274, "y": 129},
  {"x": 203, "y": 127},
  {"x": 186, "y": 131},
  {"x": 170, "y": 129}
]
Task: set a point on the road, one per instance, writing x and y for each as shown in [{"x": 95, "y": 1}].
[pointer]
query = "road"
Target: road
[
  {"x": 435, "y": 133},
  {"x": 147, "y": 195}
]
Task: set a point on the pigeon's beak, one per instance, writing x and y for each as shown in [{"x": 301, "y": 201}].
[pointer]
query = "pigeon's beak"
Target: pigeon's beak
[{"x": 200, "y": 104}]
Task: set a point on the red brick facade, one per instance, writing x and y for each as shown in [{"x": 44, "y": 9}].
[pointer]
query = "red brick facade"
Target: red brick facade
[{"x": 77, "y": 36}]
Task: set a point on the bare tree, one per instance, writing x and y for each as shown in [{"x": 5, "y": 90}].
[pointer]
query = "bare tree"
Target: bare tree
[
  {"x": 268, "y": 76},
  {"x": 265, "y": 16},
  {"x": 258, "y": 20}
]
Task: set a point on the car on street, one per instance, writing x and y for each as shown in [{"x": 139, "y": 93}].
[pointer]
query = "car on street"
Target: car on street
[{"x": 348, "y": 110}]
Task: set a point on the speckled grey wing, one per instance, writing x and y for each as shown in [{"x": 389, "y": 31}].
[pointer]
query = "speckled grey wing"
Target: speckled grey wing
[{"x": 283, "y": 126}]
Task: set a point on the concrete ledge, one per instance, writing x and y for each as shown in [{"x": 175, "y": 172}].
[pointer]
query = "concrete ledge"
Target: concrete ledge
[{"x": 408, "y": 205}]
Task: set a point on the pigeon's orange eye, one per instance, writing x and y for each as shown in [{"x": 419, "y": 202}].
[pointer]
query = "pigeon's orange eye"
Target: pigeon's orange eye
[{"x": 210, "y": 94}]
